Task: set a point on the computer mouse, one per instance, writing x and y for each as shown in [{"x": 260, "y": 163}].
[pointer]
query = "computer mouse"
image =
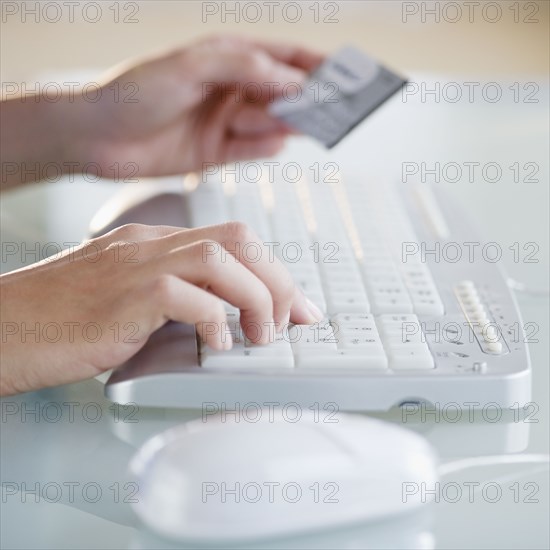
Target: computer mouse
[{"x": 226, "y": 478}]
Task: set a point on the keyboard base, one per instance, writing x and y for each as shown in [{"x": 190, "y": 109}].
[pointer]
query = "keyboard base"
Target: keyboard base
[{"x": 165, "y": 373}]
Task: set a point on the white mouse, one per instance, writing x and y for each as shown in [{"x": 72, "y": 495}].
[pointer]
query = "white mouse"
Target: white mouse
[{"x": 236, "y": 480}]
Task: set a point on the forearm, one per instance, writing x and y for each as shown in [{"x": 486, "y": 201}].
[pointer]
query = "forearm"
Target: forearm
[{"x": 39, "y": 139}]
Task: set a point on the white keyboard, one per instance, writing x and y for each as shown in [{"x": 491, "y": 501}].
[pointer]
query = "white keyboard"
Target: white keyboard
[{"x": 397, "y": 328}]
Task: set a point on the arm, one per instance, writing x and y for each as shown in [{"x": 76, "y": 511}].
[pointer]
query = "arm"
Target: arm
[
  {"x": 171, "y": 114},
  {"x": 37, "y": 138},
  {"x": 58, "y": 315}
]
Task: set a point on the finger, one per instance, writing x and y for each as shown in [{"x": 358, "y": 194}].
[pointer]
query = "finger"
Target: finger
[
  {"x": 243, "y": 148},
  {"x": 254, "y": 119},
  {"x": 239, "y": 241},
  {"x": 238, "y": 144},
  {"x": 303, "y": 310},
  {"x": 296, "y": 56},
  {"x": 178, "y": 300},
  {"x": 290, "y": 54},
  {"x": 215, "y": 142},
  {"x": 206, "y": 264},
  {"x": 128, "y": 242},
  {"x": 124, "y": 241},
  {"x": 238, "y": 61}
]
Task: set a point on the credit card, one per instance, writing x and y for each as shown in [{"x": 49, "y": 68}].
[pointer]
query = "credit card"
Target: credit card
[{"x": 338, "y": 95}]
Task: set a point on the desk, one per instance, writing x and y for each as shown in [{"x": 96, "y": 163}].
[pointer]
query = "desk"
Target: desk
[{"x": 90, "y": 450}]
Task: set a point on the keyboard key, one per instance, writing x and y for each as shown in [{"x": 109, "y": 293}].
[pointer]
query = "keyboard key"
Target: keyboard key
[
  {"x": 241, "y": 356},
  {"x": 385, "y": 320},
  {"x": 405, "y": 338},
  {"x": 410, "y": 357},
  {"x": 428, "y": 306},
  {"x": 351, "y": 331},
  {"x": 354, "y": 319},
  {"x": 362, "y": 358},
  {"x": 400, "y": 326},
  {"x": 347, "y": 301},
  {"x": 358, "y": 341},
  {"x": 381, "y": 305},
  {"x": 495, "y": 347},
  {"x": 317, "y": 336}
]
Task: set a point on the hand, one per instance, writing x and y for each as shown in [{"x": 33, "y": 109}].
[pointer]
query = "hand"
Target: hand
[
  {"x": 167, "y": 115},
  {"x": 85, "y": 312},
  {"x": 194, "y": 106}
]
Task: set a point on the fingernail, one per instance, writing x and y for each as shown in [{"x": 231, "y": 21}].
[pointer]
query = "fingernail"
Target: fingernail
[
  {"x": 227, "y": 341},
  {"x": 269, "y": 332},
  {"x": 314, "y": 310},
  {"x": 291, "y": 74},
  {"x": 283, "y": 324}
]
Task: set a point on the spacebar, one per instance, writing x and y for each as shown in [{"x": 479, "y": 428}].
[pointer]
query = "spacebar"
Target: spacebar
[{"x": 248, "y": 357}]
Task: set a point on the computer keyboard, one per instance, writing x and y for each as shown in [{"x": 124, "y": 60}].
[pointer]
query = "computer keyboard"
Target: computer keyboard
[{"x": 405, "y": 320}]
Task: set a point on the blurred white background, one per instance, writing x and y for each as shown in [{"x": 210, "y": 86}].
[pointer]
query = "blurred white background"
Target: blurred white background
[{"x": 506, "y": 42}]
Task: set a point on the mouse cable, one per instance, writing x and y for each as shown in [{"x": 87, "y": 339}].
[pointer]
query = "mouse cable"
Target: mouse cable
[
  {"x": 492, "y": 460},
  {"x": 518, "y": 286}
]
